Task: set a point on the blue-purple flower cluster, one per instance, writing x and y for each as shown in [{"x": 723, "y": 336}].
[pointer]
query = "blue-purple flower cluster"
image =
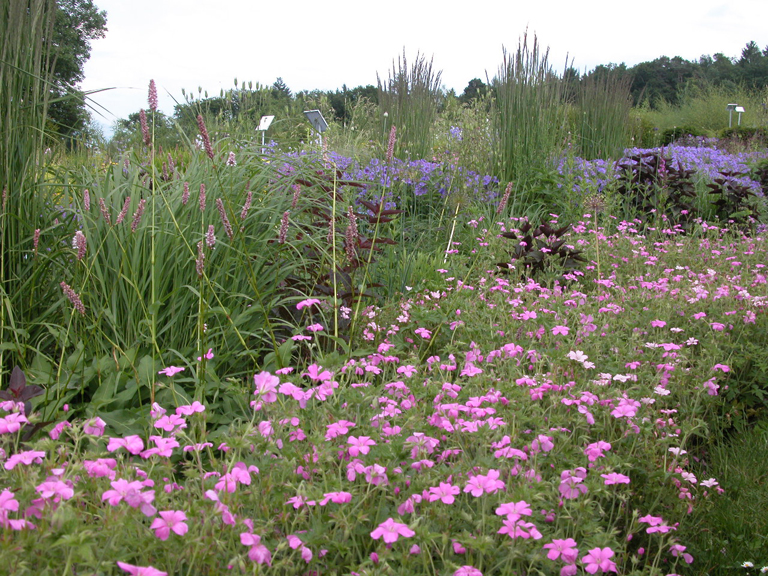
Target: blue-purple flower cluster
[{"x": 583, "y": 176}]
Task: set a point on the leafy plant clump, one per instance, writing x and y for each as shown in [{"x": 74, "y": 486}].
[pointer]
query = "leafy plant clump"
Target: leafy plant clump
[{"x": 540, "y": 250}]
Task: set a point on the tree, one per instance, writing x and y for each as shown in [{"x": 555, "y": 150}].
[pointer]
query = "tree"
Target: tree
[
  {"x": 475, "y": 89},
  {"x": 77, "y": 23}
]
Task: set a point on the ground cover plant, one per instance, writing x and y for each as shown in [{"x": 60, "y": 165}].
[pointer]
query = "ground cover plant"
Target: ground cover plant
[{"x": 223, "y": 357}]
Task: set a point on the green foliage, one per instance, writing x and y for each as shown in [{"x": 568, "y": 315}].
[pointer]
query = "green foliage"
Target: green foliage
[
  {"x": 675, "y": 133},
  {"x": 25, "y": 205},
  {"x": 600, "y": 118},
  {"x": 527, "y": 118},
  {"x": 408, "y": 100},
  {"x": 735, "y": 203}
]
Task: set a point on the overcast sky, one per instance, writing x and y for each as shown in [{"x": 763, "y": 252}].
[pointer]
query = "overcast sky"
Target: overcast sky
[{"x": 314, "y": 45}]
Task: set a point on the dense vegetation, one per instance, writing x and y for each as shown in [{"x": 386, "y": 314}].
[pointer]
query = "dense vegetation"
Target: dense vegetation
[{"x": 448, "y": 337}]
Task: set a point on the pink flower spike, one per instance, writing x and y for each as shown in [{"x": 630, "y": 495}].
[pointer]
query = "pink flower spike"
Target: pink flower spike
[
  {"x": 391, "y": 531},
  {"x": 141, "y": 570}
]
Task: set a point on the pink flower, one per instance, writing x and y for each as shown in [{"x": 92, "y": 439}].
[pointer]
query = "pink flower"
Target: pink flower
[
  {"x": 467, "y": 571},
  {"x": 315, "y": 327},
  {"x": 55, "y": 489},
  {"x": 515, "y": 528},
  {"x": 657, "y": 524},
  {"x": 391, "y": 531},
  {"x": 614, "y": 478},
  {"x": 169, "y": 423},
  {"x": 336, "y": 498},
  {"x": 257, "y": 551},
  {"x": 564, "y": 549},
  {"x": 95, "y": 427},
  {"x": 307, "y": 303},
  {"x": 208, "y": 355},
  {"x": 658, "y": 323},
  {"x": 170, "y": 520},
  {"x": 679, "y": 551},
  {"x": 557, "y": 330},
  {"x": 599, "y": 558},
  {"x": 141, "y": 570},
  {"x": 360, "y": 445},
  {"x": 12, "y": 423},
  {"x": 266, "y": 386},
  {"x": 338, "y": 428},
  {"x": 445, "y": 492},
  {"x": 424, "y": 333},
  {"x": 521, "y": 508},
  {"x": 484, "y": 484},
  {"x": 722, "y": 367},
  {"x": 134, "y": 444},
  {"x": 189, "y": 409},
  {"x": 27, "y": 457},
  {"x": 171, "y": 370}
]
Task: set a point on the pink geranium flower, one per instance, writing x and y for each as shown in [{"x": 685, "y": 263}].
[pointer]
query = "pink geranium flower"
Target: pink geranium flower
[
  {"x": 170, "y": 520},
  {"x": 361, "y": 445},
  {"x": 560, "y": 330},
  {"x": 564, "y": 549},
  {"x": 484, "y": 484},
  {"x": 599, "y": 558},
  {"x": 467, "y": 571},
  {"x": 445, "y": 492},
  {"x": 391, "y": 531},
  {"x": 141, "y": 570},
  {"x": 615, "y": 478}
]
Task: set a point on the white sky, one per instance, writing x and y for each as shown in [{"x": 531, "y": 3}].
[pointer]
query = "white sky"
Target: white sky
[{"x": 314, "y": 45}]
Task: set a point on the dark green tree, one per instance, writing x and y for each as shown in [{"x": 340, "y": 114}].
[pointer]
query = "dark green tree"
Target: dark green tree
[
  {"x": 77, "y": 23},
  {"x": 475, "y": 89}
]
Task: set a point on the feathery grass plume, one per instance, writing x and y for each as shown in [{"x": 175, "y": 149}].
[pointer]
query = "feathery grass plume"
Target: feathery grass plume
[
  {"x": 104, "y": 211},
  {"x": 87, "y": 199},
  {"x": 283, "y": 228},
  {"x": 185, "y": 194},
  {"x": 152, "y": 99},
  {"x": 144, "y": 127},
  {"x": 201, "y": 198},
  {"x": 73, "y": 298},
  {"x": 204, "y": 135},
  {"x": 391, "y": 143},
  {"x": 36, "y": 239},
  {"x": 124, "y": 211},
  {"x": 200, "y": 261},
  {"x": 224, "y": 219},
  {"x": 137, "y": 214},
  {"x": 247, "y": 205},
  {"x": 210, "y": 237},
  {"x": 504, "y": 198},
  {"x": 80, "y": 244}
]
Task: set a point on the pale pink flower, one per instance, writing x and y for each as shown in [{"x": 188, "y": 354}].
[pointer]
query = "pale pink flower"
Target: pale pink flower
[
  {"x": 615, "y": 478},
  {"x": 336, "y": 498},
  {"x": 133, "y": 444},
  {"x": 170, "y": 520},
  {"x": 390, "y": 531},
  {"x": 257, "y": 551},
  {"x": 95, "y": 427},
  {"x": 141, "y": 570},
  {"x": 467, "y": 571}
]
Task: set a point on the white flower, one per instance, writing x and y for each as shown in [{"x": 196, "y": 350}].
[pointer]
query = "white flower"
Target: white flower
[
  {"x": 677, "y": 451},
  {"x": 710, "y": 483},
  {"x": 747, "y": 565}
]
